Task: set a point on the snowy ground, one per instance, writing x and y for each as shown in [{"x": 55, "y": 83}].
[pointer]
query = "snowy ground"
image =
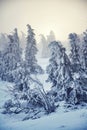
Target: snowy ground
[
  {"x": 43, "y": 62},
  {"x": 62, "y": 119},
  {"x": 75, "y": 120}
]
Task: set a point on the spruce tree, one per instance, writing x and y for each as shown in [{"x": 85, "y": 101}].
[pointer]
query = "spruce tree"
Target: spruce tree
[
  {"x": 44, "y": 46},
  {"x": 30, "y": 52},
  {"x": 79, "y": 75},
  {"x": 1, "y": 64},
  {"x": 84, "y": 49},
  {"x": 18, "y": 49},
  {"x": 75, "y": 54},
  {"x": 59, "y": 69},
  {"x": 11, "y": 56}
]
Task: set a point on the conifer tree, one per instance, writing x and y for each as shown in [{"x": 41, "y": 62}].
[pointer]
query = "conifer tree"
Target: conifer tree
[
  {"x": 84, "y": 49},
  {"x": 75, "y": 54},
  {"x": 44, "y": 46},
  {"x": 11, "y": 55},
  {"x": 59, "y": 69},
  {"x": 30, "y": 52}
]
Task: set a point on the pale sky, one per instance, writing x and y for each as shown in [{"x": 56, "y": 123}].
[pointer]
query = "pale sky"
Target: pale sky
[{"x": 61, "y": 16}]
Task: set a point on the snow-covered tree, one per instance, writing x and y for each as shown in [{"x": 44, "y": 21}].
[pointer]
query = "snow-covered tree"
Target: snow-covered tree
[
  {"x": 51, "y": 37},
  {"x": 18, "y": 50},
  {"x": 11, "y": 56},
  {"x": 3, "y": 41},
  {"x": 75, "y": 52},
  {"x": 1, "y": 64},
  {"x": 45, "y": 41},
  {"x": 79, "y": 76},
  {"x": 84, "y": 49},
  {"x": 30, "y": 52},
  {"x": 44, "y": 46},
  {"x": 59, "y": 69},
  {"x": 23, "y": 40}
]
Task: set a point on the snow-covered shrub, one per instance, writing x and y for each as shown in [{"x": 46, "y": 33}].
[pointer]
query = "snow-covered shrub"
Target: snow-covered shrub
[
  {"x": 26, "y": 99},
  {"x": 7, "y": 106}
]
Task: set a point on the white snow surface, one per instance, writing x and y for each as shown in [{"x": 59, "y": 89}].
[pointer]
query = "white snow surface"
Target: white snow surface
[
  {"x": 44, "y": 62},
  {"x": 62, "y": 119}
]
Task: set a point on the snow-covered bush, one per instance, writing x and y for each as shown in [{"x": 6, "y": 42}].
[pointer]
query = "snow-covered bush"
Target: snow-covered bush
[
  {"x": 7, "y": 106},
  {"x": 26, "y": 99}
]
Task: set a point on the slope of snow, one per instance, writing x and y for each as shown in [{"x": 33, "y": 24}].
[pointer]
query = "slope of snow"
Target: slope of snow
[{"x": 74, "y": 120}]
